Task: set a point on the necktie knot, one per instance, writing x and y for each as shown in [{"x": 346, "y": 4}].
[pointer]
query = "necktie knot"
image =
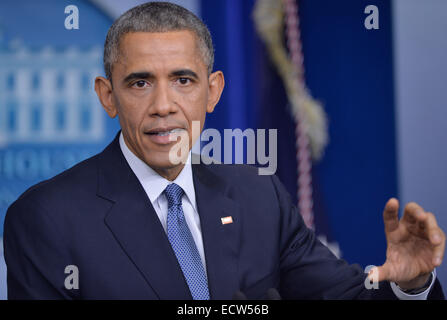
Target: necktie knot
[{"x": 174, "y": 195}]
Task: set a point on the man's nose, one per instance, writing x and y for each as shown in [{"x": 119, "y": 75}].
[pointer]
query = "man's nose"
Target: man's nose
[{"x": 163, "y": 103}]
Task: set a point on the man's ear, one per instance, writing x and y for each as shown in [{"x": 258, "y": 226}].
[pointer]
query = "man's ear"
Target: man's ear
[
  {"x": 104, "y": 90},
  {"x": 216, "y": 84}
]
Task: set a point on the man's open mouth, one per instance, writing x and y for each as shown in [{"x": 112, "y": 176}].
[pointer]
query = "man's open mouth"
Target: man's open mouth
[{"x": 163, "y": 133}]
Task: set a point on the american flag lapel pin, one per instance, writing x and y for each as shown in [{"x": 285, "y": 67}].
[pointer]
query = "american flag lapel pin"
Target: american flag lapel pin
[{"x": 227, "y": 220}]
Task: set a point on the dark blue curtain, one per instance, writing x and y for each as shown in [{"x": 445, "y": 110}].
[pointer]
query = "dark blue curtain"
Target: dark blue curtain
[{"x": 348, "y": 69}]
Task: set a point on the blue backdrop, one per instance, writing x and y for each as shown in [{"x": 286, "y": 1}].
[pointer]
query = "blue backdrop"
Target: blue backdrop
[
  {"x": 349, "y": 69},
  {"x": 53, "y": 80},
  {"x": 49, "y": 117}
]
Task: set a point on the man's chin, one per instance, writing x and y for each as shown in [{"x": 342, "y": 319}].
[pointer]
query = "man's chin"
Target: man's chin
[{"x": 164, "y": 162}]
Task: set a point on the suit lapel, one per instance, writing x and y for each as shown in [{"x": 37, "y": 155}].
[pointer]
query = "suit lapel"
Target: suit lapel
[
  {"x": 221, "y": 241},
  {"x": 136, "y": 226}
]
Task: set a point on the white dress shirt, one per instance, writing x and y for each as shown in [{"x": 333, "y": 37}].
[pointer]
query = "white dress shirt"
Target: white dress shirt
[
  {"x": 420, "y": 296},
  {"x": 154, "y": 185}
]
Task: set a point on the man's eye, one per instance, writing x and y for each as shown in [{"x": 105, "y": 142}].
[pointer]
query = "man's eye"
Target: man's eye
[
  {"x": 183, "y": 81},
  {"x": 140, "y": 84}
]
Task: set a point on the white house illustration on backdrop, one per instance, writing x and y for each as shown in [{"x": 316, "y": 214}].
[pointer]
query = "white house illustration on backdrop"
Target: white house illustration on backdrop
[{"x": 48, "y": 97}]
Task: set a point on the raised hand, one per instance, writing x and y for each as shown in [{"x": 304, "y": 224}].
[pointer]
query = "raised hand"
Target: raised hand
[{"x": 415, "y": 246}]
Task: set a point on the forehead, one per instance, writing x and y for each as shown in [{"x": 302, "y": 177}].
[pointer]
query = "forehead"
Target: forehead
[{"x": 157, "y": 49}]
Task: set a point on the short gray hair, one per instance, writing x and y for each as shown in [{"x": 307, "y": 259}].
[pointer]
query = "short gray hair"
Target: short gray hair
[{"x": 156, "y": 17}]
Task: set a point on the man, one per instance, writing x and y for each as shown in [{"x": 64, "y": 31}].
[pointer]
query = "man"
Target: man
[{"x": 132, "y": 224}]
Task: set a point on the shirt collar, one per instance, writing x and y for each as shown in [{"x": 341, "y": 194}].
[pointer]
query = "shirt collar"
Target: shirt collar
[{"x": 152, "y": 182}]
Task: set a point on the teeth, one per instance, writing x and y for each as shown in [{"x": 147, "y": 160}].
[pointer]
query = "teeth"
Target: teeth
[{"x": 168, "y": 132}]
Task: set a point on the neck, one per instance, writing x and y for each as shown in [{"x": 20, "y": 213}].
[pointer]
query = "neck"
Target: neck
[{"x": 169, "y": 173}]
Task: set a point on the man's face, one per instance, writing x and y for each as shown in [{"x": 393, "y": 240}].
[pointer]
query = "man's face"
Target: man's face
[{"x": 160, "y": 85}]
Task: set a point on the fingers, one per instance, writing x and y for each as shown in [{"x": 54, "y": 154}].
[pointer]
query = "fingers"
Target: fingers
[
  {"x": 436, "y": 237},
  {"x": 412, "y": 213},
  {"x": 391, "y": 215},
  {"x": 424, "y": 224}
]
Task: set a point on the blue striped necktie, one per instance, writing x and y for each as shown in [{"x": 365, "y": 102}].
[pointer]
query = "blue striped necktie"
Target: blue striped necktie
[{"x": 184, "y": 246}]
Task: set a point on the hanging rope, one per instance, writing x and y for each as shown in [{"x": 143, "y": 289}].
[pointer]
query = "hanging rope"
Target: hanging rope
[
  {"x": 303, "y": 155},
  {"x": 311, "y": 136}
]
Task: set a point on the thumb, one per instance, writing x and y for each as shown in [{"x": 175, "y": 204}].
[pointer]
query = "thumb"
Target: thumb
[{"x": 378, "y": 274}]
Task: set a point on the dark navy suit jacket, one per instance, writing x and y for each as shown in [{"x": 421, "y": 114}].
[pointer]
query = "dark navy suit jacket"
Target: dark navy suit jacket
[{"x": 98, "y": 217}]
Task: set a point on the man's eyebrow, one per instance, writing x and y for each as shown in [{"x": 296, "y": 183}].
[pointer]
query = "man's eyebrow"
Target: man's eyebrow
[
  {"x": 149, "y": 75},
  {"x": 138, "y": 75},
  {"x": 183, "y": 73}
]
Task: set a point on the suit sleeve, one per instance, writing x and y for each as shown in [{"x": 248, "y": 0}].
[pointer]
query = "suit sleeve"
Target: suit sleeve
[
  {"x": 34, "y": 253},
  {"x": 308, "y": 268}
]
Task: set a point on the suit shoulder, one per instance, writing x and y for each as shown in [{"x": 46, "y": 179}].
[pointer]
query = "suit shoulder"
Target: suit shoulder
[
  {"x": 243, "y": 176},
  {"x": 236, "y": 170},
  {"x": 80, "y": 177}
]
